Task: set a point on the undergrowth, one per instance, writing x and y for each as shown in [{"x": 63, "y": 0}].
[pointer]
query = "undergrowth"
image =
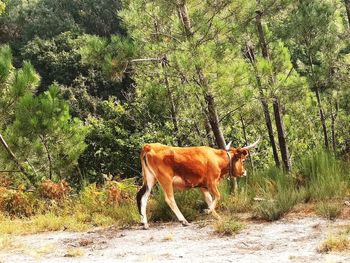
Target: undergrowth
[
  {"x": 268, "y": 194},
  {"x": 53, "y": 207}
]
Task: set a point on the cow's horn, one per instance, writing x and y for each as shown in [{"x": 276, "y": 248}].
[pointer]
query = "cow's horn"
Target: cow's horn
[
  {"x": 252, "y": 145},
  {"x": 227, "y": 147}
]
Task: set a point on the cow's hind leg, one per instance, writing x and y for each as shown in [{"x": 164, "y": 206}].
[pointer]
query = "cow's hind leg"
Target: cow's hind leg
[
  {"x": 167, "y": 186},
  {"x": 142, "y": 198}
]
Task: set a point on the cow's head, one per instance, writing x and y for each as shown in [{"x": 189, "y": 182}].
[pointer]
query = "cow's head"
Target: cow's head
[
  {"x": 239, "y": 155},
  {"x": 238, "y": 159}
]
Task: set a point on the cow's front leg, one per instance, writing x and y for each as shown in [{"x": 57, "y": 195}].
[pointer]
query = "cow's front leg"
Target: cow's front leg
[
  {"x": 214, "y": 191},
  {"x": 208, "y": 199},
  {"x": 167, "y": 185}
]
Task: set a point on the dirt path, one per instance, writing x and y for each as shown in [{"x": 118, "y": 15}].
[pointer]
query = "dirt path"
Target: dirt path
[{"x": 287, "y": 240}]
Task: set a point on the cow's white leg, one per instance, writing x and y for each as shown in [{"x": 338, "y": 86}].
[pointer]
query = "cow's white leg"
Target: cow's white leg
[
  {"x": 216, "y": 194},
  {"x": 167, "y": 185},
  {"x": 142, "y": 198},
  {"x": 172, "y": 204},
  {"x": 208, "y": 199}
]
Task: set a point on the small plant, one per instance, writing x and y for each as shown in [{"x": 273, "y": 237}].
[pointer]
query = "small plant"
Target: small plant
[
  {"x": 328, "y": 210},
  {"x": 228, "y": 227},
  {"x": 273, "y": 209},
  {"x": 337, "y": 243},
  {"x": 238, "y": 202},
  {"x": 74, "y": 252}
]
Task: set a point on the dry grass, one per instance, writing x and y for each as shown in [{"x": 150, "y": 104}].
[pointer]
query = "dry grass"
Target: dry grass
[
  {"x": 6, "y": 242},
  {"x": 74, "y": 252},
  {"x": 168, "y": 237},
  {"x": 335, "y": 243},
  {"x": 42, "y": 223}
]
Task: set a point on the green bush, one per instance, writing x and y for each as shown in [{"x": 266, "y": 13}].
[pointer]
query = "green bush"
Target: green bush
[
  {"x": 275, "y": 207},
  {"x": 325, "y": 177},
  {"x": 328, "y": 210}
]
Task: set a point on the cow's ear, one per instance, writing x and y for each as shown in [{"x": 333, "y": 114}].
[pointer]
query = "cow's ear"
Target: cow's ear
[
  {"x": 242, "y": 153},
  {"x": 245, "y": 152}
]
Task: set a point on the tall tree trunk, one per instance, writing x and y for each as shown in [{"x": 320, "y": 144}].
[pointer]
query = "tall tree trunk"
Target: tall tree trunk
[
  {"x": 281, "y": 135},
  {"x": 208, "y": 131},
  {"x": 208, "y": 97},
  {"x": 249, "y": 53},
  {"x": 246, "y": 141},
  {"x": 49, "y": 159},
  {"x": 322, "y": 118},
  {"x": 14, "y": 158},
  {"x": 214, "y": 121},
  {"x": 268, "y": 123},
  {"x": 347, "y": 6},
  {"x": 172, "y": 104},
  {"x": 276, "y": 105},
  {"x": 333, "y": 119}
]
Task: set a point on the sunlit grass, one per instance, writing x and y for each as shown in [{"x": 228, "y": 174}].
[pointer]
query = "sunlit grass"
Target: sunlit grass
[
  {"x": 228, "y": 227},
  {"x": 335, "y": 243}
]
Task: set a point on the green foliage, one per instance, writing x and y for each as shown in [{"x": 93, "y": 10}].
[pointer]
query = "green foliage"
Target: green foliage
[
  {"x": 14, "y": 84},
  {"x": 325, "y": 177},
  {"x": 44, "y": 125},
  {"x": 274, "y": 209},
  {"x": 2, "y": 7},
  {"x": 46, "y": 18},
  {"x": 328, "y": 210},
  {"x": 277, "y": 192}
]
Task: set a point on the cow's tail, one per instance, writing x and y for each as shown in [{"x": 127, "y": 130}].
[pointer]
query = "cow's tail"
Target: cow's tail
[{"x": 147, "y": 176}]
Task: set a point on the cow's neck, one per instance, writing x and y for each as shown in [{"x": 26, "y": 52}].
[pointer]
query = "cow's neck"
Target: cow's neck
[{"x": 226, "y": 164}]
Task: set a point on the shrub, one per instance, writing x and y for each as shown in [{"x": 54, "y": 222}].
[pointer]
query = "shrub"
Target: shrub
[
  {"x": 335, "y": 243},
  {"x": 228, "y": 227},
  {"x": 328, "y": 210},
  {"x": 274, "y": 209},
  {"x": 54, "y": 191},
  {"x": 278, "y": 192},
  {"x": 236, "y": 203},
  {"x": 16, "y": 202},
  {"x": 324, "y": 176}
]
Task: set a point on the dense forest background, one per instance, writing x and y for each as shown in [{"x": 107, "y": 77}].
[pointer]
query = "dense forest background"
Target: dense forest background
[{"x": 84, "y": 84}]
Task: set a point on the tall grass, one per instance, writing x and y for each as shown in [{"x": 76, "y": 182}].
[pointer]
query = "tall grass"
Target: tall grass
[
  {"x": 276, "y": 192},
  {"x": 318, "y": 176},
  {"x": 190, "y": 203},
  {"x": 325, "y": 176}
]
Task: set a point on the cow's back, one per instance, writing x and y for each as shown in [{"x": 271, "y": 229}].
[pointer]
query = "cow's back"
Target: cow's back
[{"x": 189, "y": 163}]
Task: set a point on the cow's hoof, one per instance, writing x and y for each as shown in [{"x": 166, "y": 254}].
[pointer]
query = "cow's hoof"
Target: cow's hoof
[
  {"x": 185, "y": 223},
  {"x": 145, "y": 226},
  {"x": 207, "y": 211}
]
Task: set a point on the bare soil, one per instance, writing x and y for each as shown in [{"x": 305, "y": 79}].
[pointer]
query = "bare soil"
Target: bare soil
[{"x": 286, "y": 240}]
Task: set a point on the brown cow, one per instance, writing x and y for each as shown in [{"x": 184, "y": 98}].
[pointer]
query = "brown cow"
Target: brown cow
[{"x": 177, "y": 168}]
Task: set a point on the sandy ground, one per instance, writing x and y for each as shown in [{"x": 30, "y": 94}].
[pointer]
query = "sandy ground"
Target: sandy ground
[{"x": 287, "y": 240}]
